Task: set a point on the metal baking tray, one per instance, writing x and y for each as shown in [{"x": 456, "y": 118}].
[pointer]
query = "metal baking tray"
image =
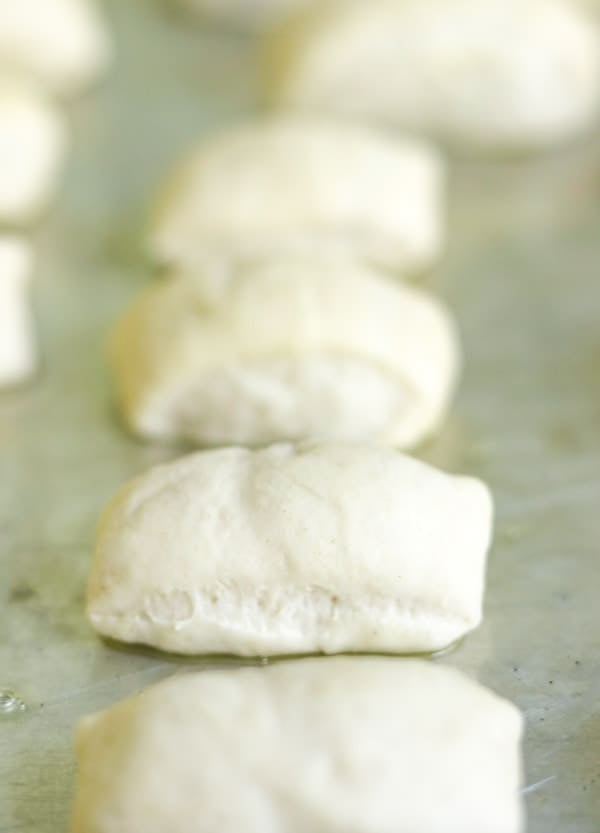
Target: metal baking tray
[{"x": 522, "y": 273}]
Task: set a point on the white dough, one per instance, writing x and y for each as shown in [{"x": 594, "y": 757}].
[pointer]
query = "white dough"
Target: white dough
[
  {"x": 289, "y": 187},
  {"x": 17, "y": 352},
  {"x": 319, "y": 548},
  {"x": 33, "y": 142},
  {"x": 315, "y": 746},
  {"x": 292, "y": 350},
  {"x": 489, "y": 74},
  {"x": 63, "y": 44}
]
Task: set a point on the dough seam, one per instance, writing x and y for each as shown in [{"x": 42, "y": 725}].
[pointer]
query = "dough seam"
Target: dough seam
[{"x": 266, "y": 610}]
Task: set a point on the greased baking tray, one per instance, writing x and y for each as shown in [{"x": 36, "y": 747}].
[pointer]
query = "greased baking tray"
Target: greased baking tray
[{"x": 522, "y": 273}]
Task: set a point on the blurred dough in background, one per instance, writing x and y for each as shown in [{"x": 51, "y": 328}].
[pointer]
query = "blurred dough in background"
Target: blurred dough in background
[
  {"x": 357, "y": 744},
  {"x": 33, "y": 140},
  {"x": 299, "y": 188},
  {"x": 17, "y": 351},
  {"x": 591, "y": 5},
  {"x": 291, "y": 351},
  {"x": 62, "y": 43},
  {"x": 483, "y": 74}
]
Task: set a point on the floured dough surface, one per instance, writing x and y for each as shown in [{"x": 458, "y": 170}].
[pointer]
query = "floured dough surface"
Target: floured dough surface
[
  {"x": 289, "y": 351},
  {"x": 33, "y": 140},
  {"x": 489, "y": 74},
  {"x": 17, "y": 351},
  {"x": 346, "y": 744},
  {"x": 63, "y": 44},
  {"x": 302, "y": 188},
  {"x": 319, "y": 548}
]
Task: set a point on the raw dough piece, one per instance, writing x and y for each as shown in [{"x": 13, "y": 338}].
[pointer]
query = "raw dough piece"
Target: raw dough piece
[
  {"x": 61, "y": 43},
  {"x": 288, "y": 550},
  {"x": 17, "y": 354},
  {"x": 32, "y": 149},
  {"x": 484, "y": 73},
  {"x": 248, "y": 14},
  {"x": 288, "y": 187},
  {"x": 291, "y": 351},
  {"x": 327, "y": 746}
]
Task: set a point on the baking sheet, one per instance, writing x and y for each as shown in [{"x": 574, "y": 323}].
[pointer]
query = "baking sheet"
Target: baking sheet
[{"x": 523, "y": 275}]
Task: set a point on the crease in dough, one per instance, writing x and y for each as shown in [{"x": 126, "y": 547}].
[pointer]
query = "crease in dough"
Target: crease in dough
[
  {"x": 316, "y": 548},
  {"x": 291, "y": 350},
  {"x": 369, "y": 745}
]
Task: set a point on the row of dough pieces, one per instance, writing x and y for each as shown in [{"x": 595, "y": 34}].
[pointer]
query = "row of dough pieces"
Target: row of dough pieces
[
  {"x": 49, "y": 52},
  {"x": 289, "y": 550},
  {"x": 181, "y": 561},
  {"x": 283, "y": 318},
  {"x": 286, "y": 319},
  {"x": 292, "y": 550}
]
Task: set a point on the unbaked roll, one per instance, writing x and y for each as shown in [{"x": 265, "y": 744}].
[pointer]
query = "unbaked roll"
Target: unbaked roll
[{"x": 289, "y": 351}]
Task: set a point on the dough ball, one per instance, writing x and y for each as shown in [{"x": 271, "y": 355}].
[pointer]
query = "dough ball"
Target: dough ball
[
  {"x": 33, "y": 141},
  {"x": 297, "y": 188},
  {"x": 63, "y": 44},
  {"x": 484, "y": 74},
  {"x": 320, "y": 548},
  {"x": 289, "y": 351},
  {"x": 17, "y": 351},
  {"x": 348, "y": 744}
]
